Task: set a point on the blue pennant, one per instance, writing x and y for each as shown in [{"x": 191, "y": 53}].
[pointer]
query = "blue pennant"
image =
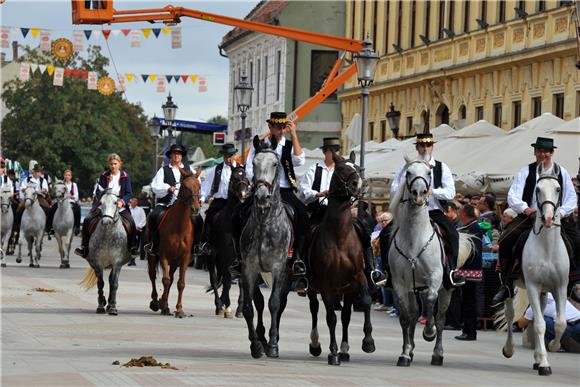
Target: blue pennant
[
  {"x": 145, "y": 77},
  {"x": 156, "y": 32},
  {"x": 169, "y": 78},
  {"x": 24, "y": 31},
  {"x": 88, "y": 33}
]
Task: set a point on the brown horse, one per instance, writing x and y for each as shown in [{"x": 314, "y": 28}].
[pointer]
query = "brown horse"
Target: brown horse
[
  {"x": 175, "y": 241},
  {"x": 337, "y": 263}
]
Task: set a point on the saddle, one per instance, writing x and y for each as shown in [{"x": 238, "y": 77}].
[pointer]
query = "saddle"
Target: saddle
[
  {"x": 443, "y": 237},
  {"x": 92, "y": 226}
]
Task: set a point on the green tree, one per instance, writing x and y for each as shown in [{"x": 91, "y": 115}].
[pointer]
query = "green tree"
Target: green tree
[
  {"x": 204, "y": 141},
  {"x": 73, "y": 127}
]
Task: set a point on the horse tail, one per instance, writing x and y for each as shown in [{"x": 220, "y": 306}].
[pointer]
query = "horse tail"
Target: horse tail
[
  {"x": 520, "y": 304},
  {"x": 466, "y": 247},
  {"x": 89, "y": 281}
]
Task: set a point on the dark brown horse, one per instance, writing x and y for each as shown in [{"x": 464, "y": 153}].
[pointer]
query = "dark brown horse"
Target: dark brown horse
[
  {"x": 337, "y": 263},
  {"x": 175, "y": 241}
]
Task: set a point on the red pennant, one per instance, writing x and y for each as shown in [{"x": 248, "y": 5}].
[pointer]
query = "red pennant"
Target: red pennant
[
  {"x": 106, "y": 34},
  {"x": 125, "y": 32},
  {"x": 84, "y": 74},
  {"x": 184, "y": 78},
  {"x": 68, "y": 72},
  {"x": 76, "y": 73}
]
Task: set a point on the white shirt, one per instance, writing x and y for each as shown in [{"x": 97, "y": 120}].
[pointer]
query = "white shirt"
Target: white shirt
[
  {"x": 73, "y": 190},
  {"x": 307, "y": 194},
  {"x": 516, "y": 192},
  {"x": 139, "y": 216},
  {"x": 114, "y": 184},
  {"x": 572, "y": 314},
  {"x": 445, "y": 192},
  {"x": 9, "y": 183},
  {"x": 161, "y": 189},
  {"x": 296, "y": 161},
  {"x": 222, "y": 191},
  {"x": 36, "y": 183}
]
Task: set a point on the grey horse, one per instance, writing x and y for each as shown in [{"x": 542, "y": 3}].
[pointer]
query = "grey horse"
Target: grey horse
[
  {"x": 107, "y": 250},
  {"x": 32, "y": 225},
  {"x": 63, "y": 223},
  {"x": 264, "y": 244},
  {"x": 7, "y": 218}
]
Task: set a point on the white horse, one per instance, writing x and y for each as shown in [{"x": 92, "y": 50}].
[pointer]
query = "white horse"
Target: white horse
[
  {"x": 32, "y": 225},
  {"x": 63, "y": 223},
  {"x": 415, "y": 259},
  {"x": 545, "y": 268},
  {"x": 7, "y": 218}
]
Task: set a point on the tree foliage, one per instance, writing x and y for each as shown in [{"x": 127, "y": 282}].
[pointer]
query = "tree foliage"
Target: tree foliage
[{"x": 73, "y": 127}]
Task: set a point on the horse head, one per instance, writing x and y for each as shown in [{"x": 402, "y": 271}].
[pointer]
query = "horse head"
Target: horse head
[
  {"x": 548, "y": 194},
  {"x": 265, "y": 171},
  {"x": 346, "y": 180},
  {"x": 30, "y": 195},
  {"x": 239, "y": 184},
  {"x": 109, "y": 208},
  {"x": 418, "y": 179},
  {"x": 189, "y": 190},
  {"x": 60, "y": 190},
  {"x": 5, "y": 199}
]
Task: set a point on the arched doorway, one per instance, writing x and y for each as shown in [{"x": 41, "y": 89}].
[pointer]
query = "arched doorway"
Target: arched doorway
[{"x": 442, "y": 115}]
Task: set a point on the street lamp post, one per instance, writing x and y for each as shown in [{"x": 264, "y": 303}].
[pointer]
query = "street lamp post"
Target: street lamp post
[
  {"x": 366, "y": 62},
  {"x": 394, "y": 117},
  {"x": 154, "y": 129},
  {"x": 243, "y": 93},
  {"x": 169, "y": 110}
]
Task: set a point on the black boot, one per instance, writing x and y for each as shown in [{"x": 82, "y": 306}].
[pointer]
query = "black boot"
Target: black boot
[
  {"x": 505, "y": 291},
  {"x": 132, "y": 262},
  {"x": 83, "y": 249}
]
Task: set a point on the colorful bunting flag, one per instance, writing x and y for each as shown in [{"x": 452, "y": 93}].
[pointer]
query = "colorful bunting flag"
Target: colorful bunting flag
[
  {"x": 33, "y": 67},
  {"x": 176, "y": 77},
  {"x": 129, "y": 77},
  {"x": 50, "y": 69},
  {"x": 146, "y": 32},
  {"x": 42, "y": 68},
  {"x": 88, "y": 34},
  {"x": 156, "y": 32},
  {"x": 24, "y": 71},
  {"x": 58, "y": 76},
  {"x": 152, "y": 77},
  {"x": 35, "y": 32},
  {"x": 184, "y": 78},
  {"x": 106, "y": 34},
  {"x": 169, "y": 78},
  {"x": 145, "y": 77},
  {"x": 24, "y": 32},
  {"x": 165, "y": 30},
  {"x": 193, "y": 78},
  {"x": 45, "y": 41},
  {"x": 126, "y": 31}
]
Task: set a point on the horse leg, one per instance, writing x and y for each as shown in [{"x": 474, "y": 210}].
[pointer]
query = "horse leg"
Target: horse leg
[
  {"x": 181, "y": 285},
  {"x": 429, "y": 331},
  {"x": 328, "y": 299},
  {"x": 443, "y": 303},
  {"x": 225, "y": 297},
  {"x": 102, "y": 301},
  {"x": 508, "y": 348},
  {"x": 211, "y": 268},
  {"x": 38, "y": 249},
  {"x": 368, "y": 343},
  {"x": 69, "y": 244},
  {"x": 314, "y": 347},
  {"x": 240, "y": 308},
  {"x": 560, "y": 321},
  {"x": 19, "y": 256},
  {"x": 152, "y": 269},
  {"x": 407, "y": 318},
  {"x": 345, "y": 316},
  {"x": 259, "y": 304},
  {"x": 30, "y": 243},
  {"x": 274, "y": 305},
  {"x": 167, "y": 281},
  {"x": 248, "y": 287},
  {"x": 113, "y": 286},
  {"x": 540, "y": 355},
  {"x": 59, "y": 241}
]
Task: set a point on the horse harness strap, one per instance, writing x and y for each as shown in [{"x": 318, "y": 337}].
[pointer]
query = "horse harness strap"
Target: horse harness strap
[
  {"x": 217, "y": 178},
  {"x": 413, "y": 260}
]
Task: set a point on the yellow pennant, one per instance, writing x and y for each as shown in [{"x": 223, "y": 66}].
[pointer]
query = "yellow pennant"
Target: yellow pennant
[
  {"x": 50, "y": 69},
  {"x": 152, "y": 77},
  {"x": 146, "y": 32},
  {"x": 165, "y": 30},
  {"x": 35, "y": 32},
  {"x": 193, "y": 78},
  {"x": 129, "y": 77}
]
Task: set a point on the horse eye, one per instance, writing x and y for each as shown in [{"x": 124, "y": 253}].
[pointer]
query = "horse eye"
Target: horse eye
[{"x": 558, "y": 189}]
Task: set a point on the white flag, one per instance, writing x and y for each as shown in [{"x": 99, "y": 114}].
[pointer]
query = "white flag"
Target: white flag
[
  {"x": 121, "y": 85},
  {"x": 97, "y": 34},
  {"x": 78, "y": 41},
  {"x": 24, "y": 71},
  {"x": 5, "y": 37},
  {"x": 92, "y": 79},
  {"x": 176, "y": 38},
  {"x": 45, "y": 41},
  {"x": 42, "y": 68},
  {"x": 33, "y": 67},
  {"x": 160, "y": 84},
  {"x": 136, "y": 38},
  {"x": 58, "y": 76}
]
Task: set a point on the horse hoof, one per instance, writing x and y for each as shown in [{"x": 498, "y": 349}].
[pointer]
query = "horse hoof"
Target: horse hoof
[
  {"x": 257, "y": 350},
  {"x": 536, "y": 366},
  {"x": 508, "y": 355},
  {"x": 62, "y": 266},
  {"x": 272, "y": 351},
  {"x": 403, "y": 361},
  {"x": 544, "y": 371},
  {"x": 36, "y": 266},
  {"x": 18, "y": 260},
  {"x": 165, "y": 312},
  {"x": 333, "y": 359},
  {"x": 101, "y": 310},
  {"x": 228, "y": 313},
  {"x": 219, "y": 311},
  {"x": 315, "y": 351},
  {"x": 437, "y": 360},
  {"x": 239, "y": 314},
  {"x": 368, "y": 346},
  {"x": 154, "y": 305},
  {"x": 3, "y": 265},
  {"x": 179, "y": 314},
  {"x": 427, "y": 337},
  {"x": 344, "y": 356},
  {"x": 31, "y": 265},
  {"x": 112, "y": 311}
]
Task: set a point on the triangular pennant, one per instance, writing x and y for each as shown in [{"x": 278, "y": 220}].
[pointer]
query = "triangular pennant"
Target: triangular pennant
[
  {"x": 165, "y": 30},
  {"x": 152, "y": 77},
  {"x": 106, "y": 34},
  {"x": 129, "y": 76},
  {"x": 126, "y": 31},
  {"x": 33, "y": 67},
  {"x": 145, "y": 77},
  {"x": 35, "y": 32},
  {"x": 146, "y": 32},
  {"x": 68, "y": 72},
  {"x": 84, "y": 74},
  {"x": 156, "y": 32},
  {"x": 193, "y": 78},
  {"x": 97, "y": 34},
  {"x": 76, "y": 73},
  {"x": 169, "y": 78},
  {"x": 50, "y": 69},
  {"x": 24, "y": 31},
  {"x": 176, "y": 77},
  {"x": 184, "y": 78},
  {"x": 42, "y": 68},
  {"x": 88, "y": 34},
  {"x": 116, "y": 32}
]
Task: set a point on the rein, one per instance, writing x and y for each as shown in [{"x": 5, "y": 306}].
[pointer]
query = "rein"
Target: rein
[
  {"x": 540, "y": 206},
  {"x": 413, "y": 260},
  {"x": 409, "y": 184}
]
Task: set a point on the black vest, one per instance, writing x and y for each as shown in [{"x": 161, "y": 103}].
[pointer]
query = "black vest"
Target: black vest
[
  {"x": 168, "y": 178},
  {"x": 317, "y": 179},
  {"x": 437, "y": 177},
  {"x": 287, "y": 164},
  {"x": 531, "y": 185},
  {"x": 217, "y": 178}
]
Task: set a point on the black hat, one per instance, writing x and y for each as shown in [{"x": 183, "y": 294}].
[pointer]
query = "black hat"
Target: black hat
[
  {"x": 544, "y": 143},
  {"x": 37, "y": 168},
  {"x": 328, "y": 142},
  {"x": 277, "y": 118},
  {"x": 229, "y": 149},
  {"x": 176, "y": 148},
  {"x": 424, "y": 138}
]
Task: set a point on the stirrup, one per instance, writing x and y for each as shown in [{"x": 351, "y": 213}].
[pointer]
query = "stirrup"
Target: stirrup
[
  {"x": 379, "y": 278},
  {"x": 298, "y": 268},
  {"x": 300, "y": 286},
  {"x": 460, "y": 281},
  {"x": 80, "y": 251}
]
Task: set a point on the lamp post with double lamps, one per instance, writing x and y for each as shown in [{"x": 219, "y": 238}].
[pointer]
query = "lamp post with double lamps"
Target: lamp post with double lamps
[
  {"x": 366, "y": 62},
  {"x": 169, "y": 110},
  {"x": 243, "y": 93},
  {"x": 394, "y": 117},
  {"x": 155, "y": 130}
]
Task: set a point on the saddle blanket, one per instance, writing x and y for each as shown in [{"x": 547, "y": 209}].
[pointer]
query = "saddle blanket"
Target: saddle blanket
[{"x": 471, "y": 275}]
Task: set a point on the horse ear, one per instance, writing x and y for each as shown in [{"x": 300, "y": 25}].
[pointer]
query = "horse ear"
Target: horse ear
[
  {"x": 352, "y": 157},
  {"x": 256, "y": 142},
  {"x": 273, "y": 142},
  {"x": 185, "y": 172}
]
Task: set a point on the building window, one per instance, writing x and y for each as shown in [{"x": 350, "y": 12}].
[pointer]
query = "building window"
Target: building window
[
  {"x": 484, "y": 11},
  {"x": 559, "y": 105},
  {"x": 265, "y": 78},
  {"x": 409, "y": 125},
  {"x": 364, "y": 16},
  {"x": 517, "y": 109},
  {"x": 541, "y": 5},
  {"x": 427, "y": 18},
  {"x": 252, "y": 74},
  {"x": 497, "y": 114},
  {"x": 321, "y": 62},
  {"x": 388, "y": 6},
  {"x": 413, "y": 15},
  {"x": 371, "y": 131},
  {"x": 383, "y": 130},
  {"x": 353, "y": 19},
  {"x": 478, "y": 113},
  {"x": 259, "y": 78},
  {"x": 462, "y": 112},
  {"x": 536, "y": 106},
  {"x": 451, "y": 24},
  {"x": 501, "y": 11},
  {"x": 466, "y": 11},
  {"x": 577, "y": 103},
  {"x": 375, "y": 24},
  {"x": 278, "y": 73},
  {"x": 399, "y": 22},
  {"x": 441, "y": 24},
  {"x": 522, "y": 5}
]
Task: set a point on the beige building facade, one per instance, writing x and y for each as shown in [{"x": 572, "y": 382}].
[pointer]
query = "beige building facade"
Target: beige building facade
[{"x": 457, "y": 62}]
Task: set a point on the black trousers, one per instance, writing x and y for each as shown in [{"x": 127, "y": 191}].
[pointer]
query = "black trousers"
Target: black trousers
[
  {"x": 215, "y": 206},
  {"x": 573, "y": 234},
  {"x": 450, "y": 231},
  {"x": 469, "y": 308},
  {"x": 301, "y": 224},
  {"x": 512, "y": 233}
]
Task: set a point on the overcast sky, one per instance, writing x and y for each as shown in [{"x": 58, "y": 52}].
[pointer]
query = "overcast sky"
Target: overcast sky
[{"x": 198, "y": 55}]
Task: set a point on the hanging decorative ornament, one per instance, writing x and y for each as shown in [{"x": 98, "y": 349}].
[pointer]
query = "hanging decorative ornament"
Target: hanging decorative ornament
[
  {"x": 62, "y": 49},
  {"x": 106, "y": 85}
]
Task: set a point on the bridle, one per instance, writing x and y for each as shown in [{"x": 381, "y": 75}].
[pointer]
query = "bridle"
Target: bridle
[
  {"x": 409, "y": 184},
  {"x": 344, "y": 190},
  {"x": 33, "y": 199},
  {"x": 4, "y": 206},
  {"x": 540, "y": 206},
  {"x": 60, "y": 197},
  {"x": 115, "y": 216},
  {"x": 194, "y": 195},
  {"x": 240, "y": 181},
  {"x": 262, "y": 182}
]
